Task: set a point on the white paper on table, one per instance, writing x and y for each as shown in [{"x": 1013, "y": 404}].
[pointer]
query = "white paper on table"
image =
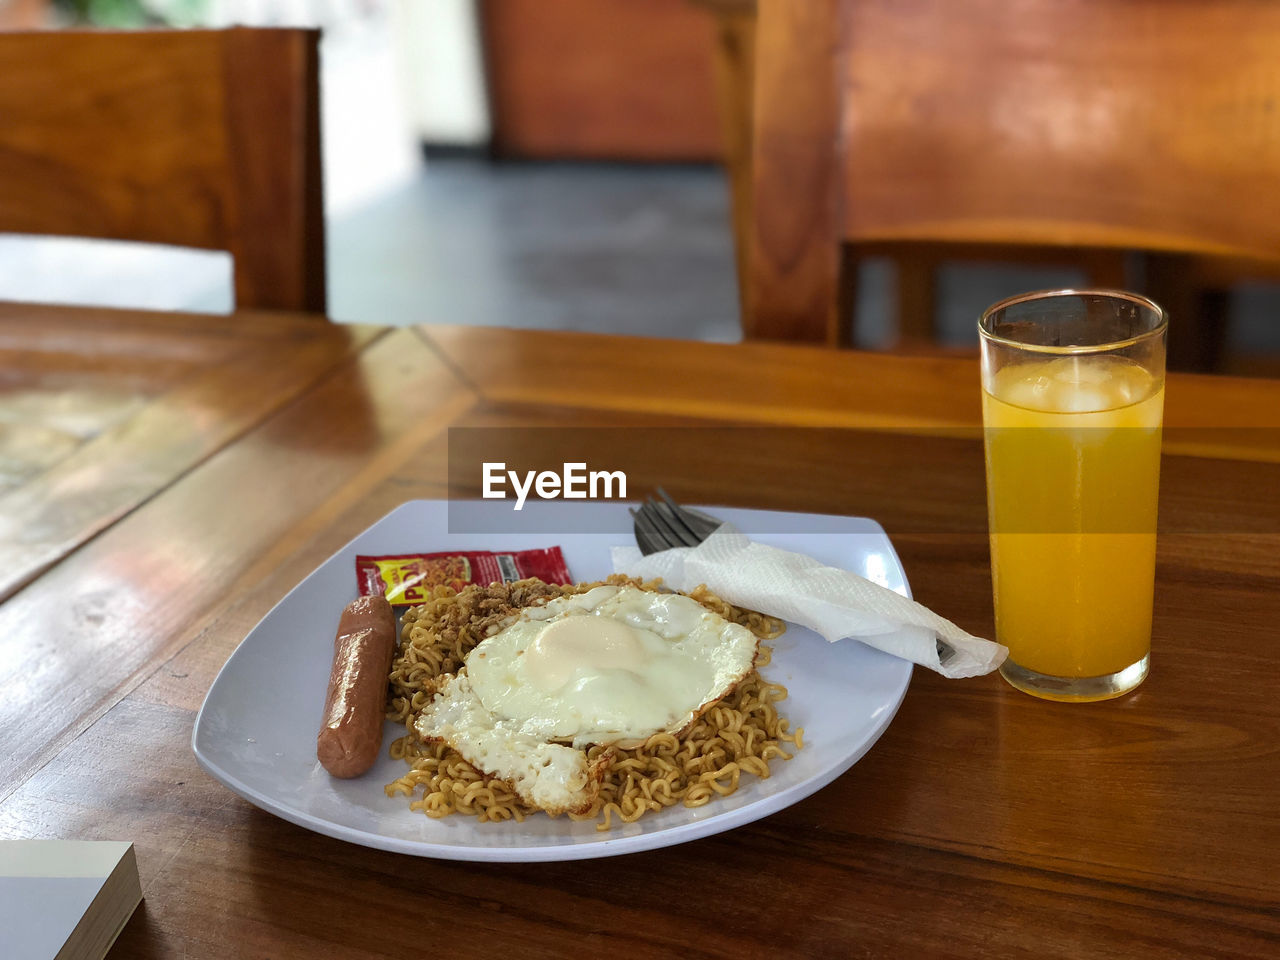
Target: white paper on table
[{"x": 838, "y": 604}]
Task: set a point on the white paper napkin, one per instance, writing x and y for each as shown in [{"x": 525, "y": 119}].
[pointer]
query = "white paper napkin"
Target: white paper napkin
[{"x": 835, "y": 603}]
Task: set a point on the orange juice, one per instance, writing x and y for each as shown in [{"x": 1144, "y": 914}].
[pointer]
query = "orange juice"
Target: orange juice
[{"x": 1073, "y": 466}]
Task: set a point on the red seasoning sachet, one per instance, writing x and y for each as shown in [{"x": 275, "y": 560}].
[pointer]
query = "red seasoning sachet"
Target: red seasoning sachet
[{"x": 408, "y": 579}]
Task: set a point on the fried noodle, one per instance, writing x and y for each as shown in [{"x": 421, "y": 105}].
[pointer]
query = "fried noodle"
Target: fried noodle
[{"x": 739, "y": 734}]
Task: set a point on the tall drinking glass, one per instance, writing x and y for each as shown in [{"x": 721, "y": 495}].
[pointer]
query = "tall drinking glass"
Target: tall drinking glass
[{"x": 1072, "y": 404}]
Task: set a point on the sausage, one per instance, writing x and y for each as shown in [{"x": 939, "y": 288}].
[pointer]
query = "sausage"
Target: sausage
[{"x": 351, "y": 732}]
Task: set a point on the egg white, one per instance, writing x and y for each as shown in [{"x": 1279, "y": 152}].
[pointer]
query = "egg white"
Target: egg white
[{"x": 614, "y": 665}]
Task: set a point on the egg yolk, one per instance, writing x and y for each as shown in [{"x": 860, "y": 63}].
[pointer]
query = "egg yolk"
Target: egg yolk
[{"x": 595, "y": 643}]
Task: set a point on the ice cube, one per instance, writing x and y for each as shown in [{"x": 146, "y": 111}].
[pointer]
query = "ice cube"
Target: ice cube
[
  {"x": 1081, "y": 398},
  {"x": 1030, "y": 393},
  {"x": 1083, "y": 370}
]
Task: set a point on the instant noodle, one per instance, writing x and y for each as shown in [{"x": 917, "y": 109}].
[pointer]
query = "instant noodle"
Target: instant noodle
[{"x": 739, "y": 734}]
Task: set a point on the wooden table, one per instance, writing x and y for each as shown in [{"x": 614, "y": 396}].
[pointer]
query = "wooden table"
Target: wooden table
[{"x": 169, "y": 478}]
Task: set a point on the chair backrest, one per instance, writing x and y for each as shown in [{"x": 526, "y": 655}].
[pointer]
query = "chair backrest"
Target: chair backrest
[
  {"x": 200, "y": 138},
  {"x": 1146, "y": 124}
]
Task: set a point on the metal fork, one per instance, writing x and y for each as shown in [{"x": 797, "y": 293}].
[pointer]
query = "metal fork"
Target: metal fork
[{"x": 661, "y": 524}]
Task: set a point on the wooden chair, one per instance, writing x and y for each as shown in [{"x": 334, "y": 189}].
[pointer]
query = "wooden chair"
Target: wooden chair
[
  {"x": 735, "y": 72},
  {"x": 199, "y": 138},
  {"x": 1142, "y": 125}
]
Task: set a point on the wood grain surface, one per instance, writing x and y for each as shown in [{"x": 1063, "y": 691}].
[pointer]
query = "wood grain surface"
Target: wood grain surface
[
  {"x": 798, "y": 385},
  {"x": 915, "y": 263},
  {"x": 1141, "y": 125},
  {"x": 119, "y": 602},
  {"x": 200, "y": 138},
  {"x": 601, "y": 79},
  {"x": 735, "y": 75},
  {"x": 153, "y": 397},
  {"x": 983, "y": 823},
  {"x": 799, "y": 287}
]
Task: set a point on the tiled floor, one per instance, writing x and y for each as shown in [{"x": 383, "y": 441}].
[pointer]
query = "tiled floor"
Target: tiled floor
[{"x": 641, "y": 250}]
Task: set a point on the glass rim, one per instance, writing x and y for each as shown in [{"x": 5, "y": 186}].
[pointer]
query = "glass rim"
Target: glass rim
[{"x": 1162, "y": 320}]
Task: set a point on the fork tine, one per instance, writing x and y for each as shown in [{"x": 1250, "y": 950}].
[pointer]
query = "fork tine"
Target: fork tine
[
  {"x": 648, "y": 536},
  {"x": 702, "y": 525},
  {"x": 645, "y": 522},
  {"x": 696, "y": 515},
  {"x": 671, "y": 512},
  {"x": 672, "y": 530},
  {"x": 687, "y": 536}
]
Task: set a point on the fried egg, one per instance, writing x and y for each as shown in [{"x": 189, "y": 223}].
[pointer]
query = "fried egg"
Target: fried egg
[{"x": 614, "y": 665}]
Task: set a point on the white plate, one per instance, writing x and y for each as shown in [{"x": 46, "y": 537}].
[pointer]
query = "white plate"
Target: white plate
[{"x": 256, "y": 732}]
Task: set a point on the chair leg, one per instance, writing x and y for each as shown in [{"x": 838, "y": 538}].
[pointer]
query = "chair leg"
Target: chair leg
[
  {"x": 1214, "y": 308},
  {"x": 1197, "y": 317},
  {"x": 917, "y": 298},
  {"x": 846, "y": 299},
  {"x": 796, "y": 259},
  {"x": 735, "y": 82}
]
